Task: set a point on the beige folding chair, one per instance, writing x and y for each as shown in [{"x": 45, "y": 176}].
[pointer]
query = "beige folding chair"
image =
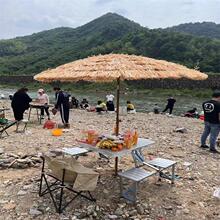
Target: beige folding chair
[{"x": 67, "y": 174}]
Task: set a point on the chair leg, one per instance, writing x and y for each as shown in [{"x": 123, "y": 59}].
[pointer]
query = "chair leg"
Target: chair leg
[
  {"x": 135, "y": 191},
  {"x": 41, "y": 178},
  {"x": 61, "y": 192},
  {"x": 91, "y": 197},
  {"x": 25, "y": 127},
  {"x": 37, "y": 115},
  {"x": 50, "y": 192},
  {"x": 121, "y": 186},
  {"x": 29, "y": 115},
  {"x": 159, "y": 177},
  {"x": 173, "y": 174}
]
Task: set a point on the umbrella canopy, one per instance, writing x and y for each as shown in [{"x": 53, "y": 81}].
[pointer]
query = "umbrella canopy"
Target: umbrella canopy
[{"x": 104, "y": 68}]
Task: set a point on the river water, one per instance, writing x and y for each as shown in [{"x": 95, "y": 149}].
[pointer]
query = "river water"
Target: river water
[{"x": 142, "y": 102}]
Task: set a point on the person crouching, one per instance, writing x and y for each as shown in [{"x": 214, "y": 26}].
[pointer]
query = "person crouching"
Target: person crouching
[{"x": 101, "y": 107}]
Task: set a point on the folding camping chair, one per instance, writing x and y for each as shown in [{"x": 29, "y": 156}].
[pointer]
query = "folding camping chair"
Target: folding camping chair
[
  {"x": 157, "y": 164},
  {"x": 5, "y": 125},
  {"x": 66, "y": 174}
]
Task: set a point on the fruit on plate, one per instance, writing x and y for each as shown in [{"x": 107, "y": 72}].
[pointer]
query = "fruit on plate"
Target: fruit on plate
[
  {"x": 106, "y": 144},
  {"x": 120, "y": 147}
]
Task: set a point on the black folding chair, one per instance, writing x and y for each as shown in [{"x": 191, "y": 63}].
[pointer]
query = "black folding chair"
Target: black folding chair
[
  {"x": 59, "y": 177},
  {"x": 5, "y": 126}
]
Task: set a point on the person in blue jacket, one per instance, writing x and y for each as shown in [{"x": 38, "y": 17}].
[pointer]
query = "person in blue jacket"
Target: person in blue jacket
[{"x": 62, "y": 104}]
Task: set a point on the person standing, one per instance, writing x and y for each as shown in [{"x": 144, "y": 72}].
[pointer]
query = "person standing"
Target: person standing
[
  {"x": 43, "y": 99},
  {"x": 211, "y": 110},
  {"x": 20, "y": 103},
  {"x": 62, "y": 104},
  {"x": 170, "y": 104}
]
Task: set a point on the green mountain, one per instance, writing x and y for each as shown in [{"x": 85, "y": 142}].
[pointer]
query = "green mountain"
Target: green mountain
[
  {"x": 110, "y": 33},
  {"x": 47, "y": 49},
  {"x": 204, "y": 29}
]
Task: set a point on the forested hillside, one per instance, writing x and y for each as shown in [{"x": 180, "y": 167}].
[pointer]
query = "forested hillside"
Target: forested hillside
[
  {"x": 204, "y": 29},
  {"x": 107, "y": 34}
]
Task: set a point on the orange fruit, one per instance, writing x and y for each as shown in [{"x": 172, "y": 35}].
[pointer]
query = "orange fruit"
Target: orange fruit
[{"x": 120, "y": 146}]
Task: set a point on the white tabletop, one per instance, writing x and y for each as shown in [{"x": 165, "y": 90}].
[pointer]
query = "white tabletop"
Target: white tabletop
[
  {"x": 74, "y": 151},
  {"x": 142, "y": 143}
]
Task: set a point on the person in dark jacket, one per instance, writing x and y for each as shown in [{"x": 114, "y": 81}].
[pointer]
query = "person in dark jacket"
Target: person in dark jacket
[
  {"x": 75, "y": 102},
  {"x": 192, "y": 113},
  {"x": 62, "y": 104},
  {"x": 211, "y": 110},
  {"x": 20, "y": 103},
  {"x": 170, "y": 104}
]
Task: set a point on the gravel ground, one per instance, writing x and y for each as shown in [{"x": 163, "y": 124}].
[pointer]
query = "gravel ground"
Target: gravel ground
[{"x": 190, "y": 198}]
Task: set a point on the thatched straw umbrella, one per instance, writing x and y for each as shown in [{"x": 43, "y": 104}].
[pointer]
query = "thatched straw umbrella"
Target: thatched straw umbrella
[{"x": 105, "y": 68}]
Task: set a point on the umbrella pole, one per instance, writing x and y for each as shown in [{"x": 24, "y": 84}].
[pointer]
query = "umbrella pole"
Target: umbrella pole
[
  {"x": 117, "y": 121},
  {"x": 117, "y": 107}
]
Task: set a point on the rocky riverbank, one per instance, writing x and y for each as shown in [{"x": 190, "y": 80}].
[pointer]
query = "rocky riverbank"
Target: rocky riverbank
[{"x": 190, "y": 198}]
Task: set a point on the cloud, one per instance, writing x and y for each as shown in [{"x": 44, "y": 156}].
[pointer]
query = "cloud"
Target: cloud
[
  {"x": 22, "y": 17},
  {"x": 104, "y": 2},
  {"x": 188, "y": 2}
]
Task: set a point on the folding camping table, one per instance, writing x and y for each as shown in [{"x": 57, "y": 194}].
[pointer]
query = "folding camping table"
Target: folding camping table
[
  {"x": 142, "y": 143},
  {"x": 38, "y": 107}
]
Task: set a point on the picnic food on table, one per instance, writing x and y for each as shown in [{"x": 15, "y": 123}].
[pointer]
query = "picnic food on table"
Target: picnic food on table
[{"x": 110, "y": 142}]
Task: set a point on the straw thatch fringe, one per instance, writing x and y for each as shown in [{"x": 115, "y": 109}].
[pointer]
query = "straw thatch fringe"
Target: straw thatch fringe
[{"x": 112, "y": 66}]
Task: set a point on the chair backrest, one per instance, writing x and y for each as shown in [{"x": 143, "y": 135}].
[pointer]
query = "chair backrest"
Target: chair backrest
[
  {"x": 82, "y": 178},
  {"x": 57, "y": 166},
  {"x": 138, "y": 157}
]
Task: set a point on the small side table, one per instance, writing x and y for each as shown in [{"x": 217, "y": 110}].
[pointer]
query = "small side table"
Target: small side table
[{"x": 74, "y": 151}]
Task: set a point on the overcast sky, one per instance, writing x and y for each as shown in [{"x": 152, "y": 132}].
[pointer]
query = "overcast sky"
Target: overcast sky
[{"x": 23, "y": 17}]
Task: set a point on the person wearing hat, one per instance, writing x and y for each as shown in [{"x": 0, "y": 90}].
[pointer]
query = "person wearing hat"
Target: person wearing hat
[{"x": 43, "y": 99}]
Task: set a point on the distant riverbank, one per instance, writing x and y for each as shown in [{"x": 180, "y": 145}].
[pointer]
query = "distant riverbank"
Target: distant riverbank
[{"x": 144, "y": 100}]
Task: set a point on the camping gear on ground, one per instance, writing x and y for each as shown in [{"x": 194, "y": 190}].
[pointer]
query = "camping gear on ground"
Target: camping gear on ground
[
  {"x": 3, "y": 121},
  {"x": 75, "y": 151},
  {"x": 142, "y": 143},
  {"x": 38, "y": 107},
  {"x": 136, "y": 175},
  {"x": 158, "y": 164},
  {"x": 57, "y": 132},
  {"x": 5, "y": 125},
  {"x": 49, "y": 124},
  {"x": 66, "y": 174}
]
